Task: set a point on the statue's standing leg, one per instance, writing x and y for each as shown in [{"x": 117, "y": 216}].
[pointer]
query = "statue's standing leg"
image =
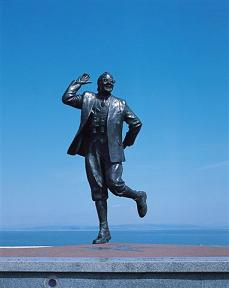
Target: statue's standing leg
[
  {"x": 99, "y": 193},
  {"x": 104, "y": 233}
]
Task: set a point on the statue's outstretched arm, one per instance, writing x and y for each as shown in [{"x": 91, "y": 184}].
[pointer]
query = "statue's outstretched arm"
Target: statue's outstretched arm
[{"x": 70, "y": 97}]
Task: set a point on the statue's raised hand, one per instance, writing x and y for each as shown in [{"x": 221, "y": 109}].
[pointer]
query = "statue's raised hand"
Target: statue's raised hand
[{"x": 82, "y": 80}]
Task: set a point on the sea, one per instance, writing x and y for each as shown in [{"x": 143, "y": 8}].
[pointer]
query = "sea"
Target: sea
[{"x": 201, "y": 237}]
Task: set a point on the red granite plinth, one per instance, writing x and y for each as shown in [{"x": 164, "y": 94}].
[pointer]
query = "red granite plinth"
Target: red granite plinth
[{"x": 117, "y": 250}]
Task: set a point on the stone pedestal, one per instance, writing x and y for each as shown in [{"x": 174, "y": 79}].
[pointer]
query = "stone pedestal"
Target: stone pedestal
[{"x": 115, "y": 265}]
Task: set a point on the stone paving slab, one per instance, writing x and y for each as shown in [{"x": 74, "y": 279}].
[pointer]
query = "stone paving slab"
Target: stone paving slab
[{"x": 117, "y": 250}]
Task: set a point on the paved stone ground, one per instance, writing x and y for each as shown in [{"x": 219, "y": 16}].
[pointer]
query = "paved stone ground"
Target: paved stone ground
[{"x": 117, "y": 250}]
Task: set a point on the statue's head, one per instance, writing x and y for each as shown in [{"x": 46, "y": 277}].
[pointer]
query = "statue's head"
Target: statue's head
[{"x": 105, "y": 83}]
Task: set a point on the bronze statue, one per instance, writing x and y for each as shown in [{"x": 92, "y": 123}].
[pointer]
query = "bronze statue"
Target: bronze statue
[{"x": 99, "y": 140}]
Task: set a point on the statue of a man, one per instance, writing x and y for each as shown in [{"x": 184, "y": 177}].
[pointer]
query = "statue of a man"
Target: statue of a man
[{"x": 99, "y": 140}]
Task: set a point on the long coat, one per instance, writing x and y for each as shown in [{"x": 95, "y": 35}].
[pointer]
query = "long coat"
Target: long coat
[{"x": 118, "y": 112}]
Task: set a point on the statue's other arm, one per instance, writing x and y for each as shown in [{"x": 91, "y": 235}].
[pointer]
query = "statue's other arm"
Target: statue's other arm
[
  {"x": 70, "y": 97},
  {"x": 134, "y": 125}
]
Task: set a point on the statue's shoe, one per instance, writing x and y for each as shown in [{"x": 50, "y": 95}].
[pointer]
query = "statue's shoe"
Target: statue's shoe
[
  {"x": 103, "y": 237},
  {"x": 141, "y": 204}
]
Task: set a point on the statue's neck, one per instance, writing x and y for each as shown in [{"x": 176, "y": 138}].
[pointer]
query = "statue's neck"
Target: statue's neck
[{"x": 104, "y": 94}]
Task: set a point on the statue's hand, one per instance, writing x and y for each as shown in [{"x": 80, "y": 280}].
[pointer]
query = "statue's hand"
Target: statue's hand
[{"x": 82, "y": 80}]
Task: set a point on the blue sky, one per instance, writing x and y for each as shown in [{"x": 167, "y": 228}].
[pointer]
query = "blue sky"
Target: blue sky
[{"x": 170, "y": 62}]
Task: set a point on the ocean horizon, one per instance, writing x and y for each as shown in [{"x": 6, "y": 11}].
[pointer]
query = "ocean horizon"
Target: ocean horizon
[{"x": 84, "y": 235}]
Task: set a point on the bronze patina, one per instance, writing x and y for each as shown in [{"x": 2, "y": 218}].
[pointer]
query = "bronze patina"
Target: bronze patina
[{"x": 99, "y": 140}]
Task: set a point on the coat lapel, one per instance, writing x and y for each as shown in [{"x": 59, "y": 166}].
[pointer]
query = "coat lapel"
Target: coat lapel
[
  {"x": 89, "y": 101},
  {"x": 112, "y": 107}
]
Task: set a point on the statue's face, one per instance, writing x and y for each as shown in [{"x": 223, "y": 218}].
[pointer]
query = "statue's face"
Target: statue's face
[{"x": 107, "y": 83}]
